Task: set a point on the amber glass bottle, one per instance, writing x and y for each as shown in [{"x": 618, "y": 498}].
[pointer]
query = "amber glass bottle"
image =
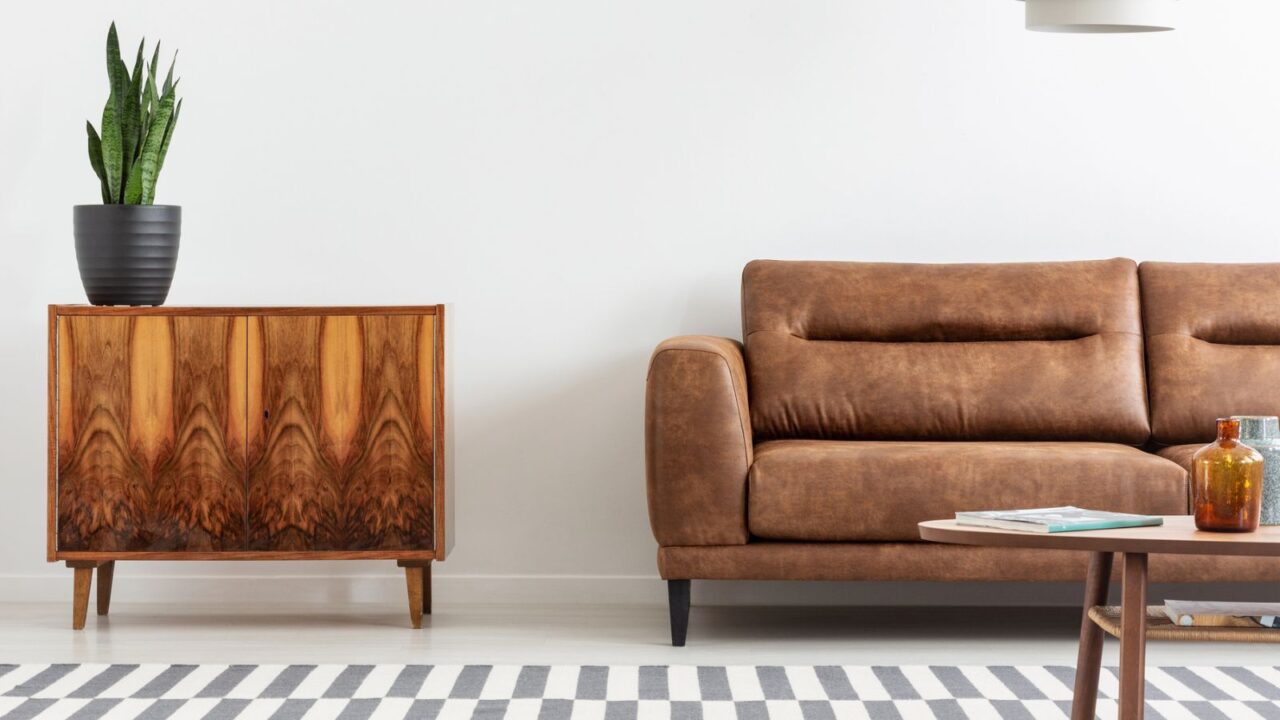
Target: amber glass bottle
[{"x": 1226, "y": 481}]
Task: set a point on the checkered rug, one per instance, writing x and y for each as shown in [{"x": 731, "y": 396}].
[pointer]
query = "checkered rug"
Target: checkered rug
[{"x": 86, "y": 692}]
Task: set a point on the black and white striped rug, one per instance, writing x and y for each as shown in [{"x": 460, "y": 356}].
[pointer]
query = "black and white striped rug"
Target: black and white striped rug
[{"x": 346, "y": 692}]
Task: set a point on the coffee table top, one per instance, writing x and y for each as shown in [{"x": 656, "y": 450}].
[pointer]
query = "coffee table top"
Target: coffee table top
[{"x": 1178, "y": 536}]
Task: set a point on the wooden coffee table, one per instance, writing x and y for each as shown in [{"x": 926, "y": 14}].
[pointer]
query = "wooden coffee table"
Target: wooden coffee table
[{"x": 1132, "y": 623}]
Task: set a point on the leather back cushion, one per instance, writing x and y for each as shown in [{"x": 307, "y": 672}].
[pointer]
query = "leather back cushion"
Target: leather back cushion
[
  {"x": 1213, "y": 345},
  {"x": 882, "y": 351}
]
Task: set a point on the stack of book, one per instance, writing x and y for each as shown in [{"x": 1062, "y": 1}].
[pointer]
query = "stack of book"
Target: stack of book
[
  {"x": 1192, "y": 613},
  {"x": 1185, "y": 613}
]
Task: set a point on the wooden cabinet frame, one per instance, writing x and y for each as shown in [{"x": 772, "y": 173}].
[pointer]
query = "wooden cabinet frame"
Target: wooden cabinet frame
[{"x": 415, "y": 561}]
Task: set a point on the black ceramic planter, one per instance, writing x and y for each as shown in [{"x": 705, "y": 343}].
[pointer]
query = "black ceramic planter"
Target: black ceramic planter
[{"x": 127, "y": 253}]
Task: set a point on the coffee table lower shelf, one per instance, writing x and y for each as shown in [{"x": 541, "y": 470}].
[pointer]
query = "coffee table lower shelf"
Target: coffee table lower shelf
[{"x": 1160, "y": 627}]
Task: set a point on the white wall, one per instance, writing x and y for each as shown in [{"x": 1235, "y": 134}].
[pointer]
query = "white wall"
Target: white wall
[{"x": 584, "y": 177}]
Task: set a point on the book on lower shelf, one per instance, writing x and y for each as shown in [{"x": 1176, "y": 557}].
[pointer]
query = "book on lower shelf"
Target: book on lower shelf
[
  {"x": 1056, "y": 519},
  {"x": 1205, "y": 613}
]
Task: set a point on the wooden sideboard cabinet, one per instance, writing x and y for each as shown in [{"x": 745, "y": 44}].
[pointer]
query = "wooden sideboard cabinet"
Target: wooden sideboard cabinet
[{"x": 247, "y": 434}]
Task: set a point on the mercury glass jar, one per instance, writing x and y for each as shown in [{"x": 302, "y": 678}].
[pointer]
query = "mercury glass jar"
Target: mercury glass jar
[
  {"x": 1262, "y": 433},
  {"x": 1226, "y": 482}
]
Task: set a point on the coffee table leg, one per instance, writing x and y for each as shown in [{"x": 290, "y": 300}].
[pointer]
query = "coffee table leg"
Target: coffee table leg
[
  {"x": 1133, "y": 637},
  {"x": 1089, "y": 661}
]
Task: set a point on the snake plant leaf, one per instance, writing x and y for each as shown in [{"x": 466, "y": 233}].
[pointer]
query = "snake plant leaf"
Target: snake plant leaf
[
  {"x": 168, "y": 133},
  {"x": 113, "y": 118},
  {"x": 149, "y": 162},
  {"x": 135, "y": 78},
  {"x": 149, "y": 95},
  {"x": 95, "y": 159},
  {"x": 152, "y": 99},
  {"x": 131, "y": 129},
  {"x": 133, "y": 108},
  {"x": 168, "y": 79},
  {"x": 113, "y": 52},
  {"x": 147, "y": 107},
  {"x": 133, "y": 186},
  {"x": 137, "y": 125}
]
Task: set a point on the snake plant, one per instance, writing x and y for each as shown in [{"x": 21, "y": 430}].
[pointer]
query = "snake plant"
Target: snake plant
[{"x": 137, "y": 125}]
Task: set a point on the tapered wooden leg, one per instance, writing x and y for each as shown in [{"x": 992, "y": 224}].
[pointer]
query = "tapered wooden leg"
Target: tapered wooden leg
[
  {"x": 413, "y": 580},
  {"x": 678, "y": 595},
  {"x": 80, "y": 602},
  {"x": 106, "y": 571},
  {"x": 417, "y": 576},
  {"x": 1133, "y": 637},
  {"x": 1089, "y": 660}
]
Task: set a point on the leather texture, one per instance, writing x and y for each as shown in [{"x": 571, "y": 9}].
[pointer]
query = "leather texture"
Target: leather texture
[
  {"x": 1181, "y": 454},
  {"x": 698, "y": 442},
  {"x": 881, "y": 351},
  {"x": 932, "y": 561},
  {"x": 831, "y": 490},
  {"x": 1033, "y": 374},
  {"x": 1213, "y": 345}
]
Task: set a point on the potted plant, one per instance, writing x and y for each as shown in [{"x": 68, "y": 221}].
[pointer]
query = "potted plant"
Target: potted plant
[{"x": 127, "y": 247}]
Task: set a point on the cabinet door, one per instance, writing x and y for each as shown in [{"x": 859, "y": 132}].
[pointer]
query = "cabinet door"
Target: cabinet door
[
  {"x": 341, "y": 453},
  {"x": 150, "y": 433}
]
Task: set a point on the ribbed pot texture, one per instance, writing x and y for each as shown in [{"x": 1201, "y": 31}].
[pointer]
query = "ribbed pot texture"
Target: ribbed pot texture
[{"x": 127, "y": 253}]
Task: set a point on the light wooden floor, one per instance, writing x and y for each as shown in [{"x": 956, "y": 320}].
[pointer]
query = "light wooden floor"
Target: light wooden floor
[{"x": 566, "y": 634}]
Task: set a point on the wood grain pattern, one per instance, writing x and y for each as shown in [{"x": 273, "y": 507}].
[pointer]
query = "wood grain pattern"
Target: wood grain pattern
[
  {"x": 1089, "y": 657},
  {"x": 1133, "y": 637},
  {"x": 245, "y": 433},
  {"x": 293, "y": 485},
  {"x": 106, "y": 577},
  {"x": 151, "y": 389},
  {"x": 239, "y": 376},
  {"x": 53, "y": 414},
  {"x": 341, "y": 377},
  {"x": 103, "y": 493},
  {"x": 345, "y": 458},
  {"x": 80, "y": 596},
  {"x": 414, "y": 584},
  {"x": 142, "y": 459},
  {"x": 417, "y": 555},
  {"x": 389, "y": 488},
  {"x": 442, "y": 502},
  {"x": 199, "y": 487}
]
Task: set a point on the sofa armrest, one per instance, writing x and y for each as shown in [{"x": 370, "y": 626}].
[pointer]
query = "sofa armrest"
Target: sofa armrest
[{"x": 697, "y": 442}]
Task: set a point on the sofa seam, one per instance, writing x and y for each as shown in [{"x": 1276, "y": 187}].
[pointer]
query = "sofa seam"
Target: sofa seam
[
  {"x": 1086, "y": 336},
  {"x": 1210, "y": 342}
]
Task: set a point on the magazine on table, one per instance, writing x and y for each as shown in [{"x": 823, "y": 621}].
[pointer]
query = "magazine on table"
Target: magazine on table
[{"x": 1056, "y": 519}]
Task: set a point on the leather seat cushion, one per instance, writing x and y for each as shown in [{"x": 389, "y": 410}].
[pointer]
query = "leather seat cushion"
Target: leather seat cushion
[
  {"x": 1180, "y": 454},
  {"x": 830, "y": 490}
]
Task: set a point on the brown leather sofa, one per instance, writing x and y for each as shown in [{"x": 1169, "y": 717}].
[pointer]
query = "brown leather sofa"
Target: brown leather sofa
[{"x": 872, "y": 396}]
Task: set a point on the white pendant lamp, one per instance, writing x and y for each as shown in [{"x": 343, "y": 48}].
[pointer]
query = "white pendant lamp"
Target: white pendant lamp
[{"x": 1101, "y": 16}]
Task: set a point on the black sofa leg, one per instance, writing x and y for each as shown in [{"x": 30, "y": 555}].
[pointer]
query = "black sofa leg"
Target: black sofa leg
[{"x": 678, "y": 598}]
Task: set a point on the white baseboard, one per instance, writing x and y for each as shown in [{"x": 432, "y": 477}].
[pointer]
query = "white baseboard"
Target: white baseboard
[
  {"x": 152, "y": 586},
  {"x": 141, "y": 583}
]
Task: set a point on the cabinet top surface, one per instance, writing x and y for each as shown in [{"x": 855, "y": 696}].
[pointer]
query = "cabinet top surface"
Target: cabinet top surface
[{"x": 247, "y": 310}]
